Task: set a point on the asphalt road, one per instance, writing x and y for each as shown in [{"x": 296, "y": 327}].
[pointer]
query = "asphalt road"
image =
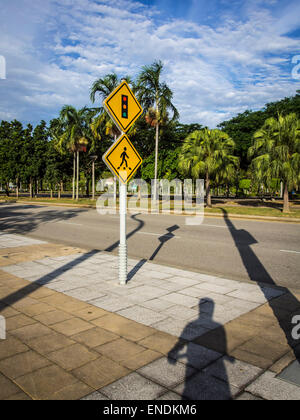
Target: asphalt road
[{"x": 242, "y": 250}]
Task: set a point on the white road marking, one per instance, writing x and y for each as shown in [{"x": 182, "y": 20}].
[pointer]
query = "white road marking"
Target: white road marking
[
  {"x": 291, "y": 252},
  {"x": 218, "y": 226},
  {"x": 159, "y": 234},
  {"x": 70, "y": 223}
]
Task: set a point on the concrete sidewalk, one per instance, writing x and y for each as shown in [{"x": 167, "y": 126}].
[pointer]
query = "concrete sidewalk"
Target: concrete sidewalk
[{"x": 73, "y": 332}]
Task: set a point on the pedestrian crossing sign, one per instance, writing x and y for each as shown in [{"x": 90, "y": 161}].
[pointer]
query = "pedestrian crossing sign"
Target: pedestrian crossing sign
[
  {"x": 123, "y": 107},
  {"x": 122, "y": 159}
]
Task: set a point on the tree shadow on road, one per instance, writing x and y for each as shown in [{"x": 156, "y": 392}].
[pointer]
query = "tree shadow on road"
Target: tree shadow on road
[
  {"x": 284, "y": 307},
  {"x": 15, "y": 218}
]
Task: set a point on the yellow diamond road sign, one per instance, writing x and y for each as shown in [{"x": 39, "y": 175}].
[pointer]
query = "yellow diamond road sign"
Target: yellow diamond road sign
[
  {"x": 122, "y": 159},
  {"x": 123, "y": 107}
]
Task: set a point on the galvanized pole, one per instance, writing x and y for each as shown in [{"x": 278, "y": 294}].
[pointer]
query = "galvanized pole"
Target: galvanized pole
[
  {"x": 123, "y": 244},
  {"x": 93, "y": 180}
]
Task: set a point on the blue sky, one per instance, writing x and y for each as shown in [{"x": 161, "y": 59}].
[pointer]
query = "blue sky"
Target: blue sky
[{"x": 220, "y": 57}]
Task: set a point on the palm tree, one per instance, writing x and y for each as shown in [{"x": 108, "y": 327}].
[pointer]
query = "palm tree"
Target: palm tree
[
  {"x": 156, "y": 98},
  {"x": 208, "y": 153},
  {"x": 75, "y": 137},
  {"x": 276, "y": 153}
]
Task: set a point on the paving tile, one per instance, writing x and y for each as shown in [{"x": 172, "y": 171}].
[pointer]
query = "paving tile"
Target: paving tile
[
  {"x": 29, "y": 332},
  {"x": 170, "y": 396},
  {"x": 120, "y": 350},
  {"x": 38, "y": 309},
  {"x": 167, "y": 372},
  {"x": 246, "y": 396},
  {"x": 269, "y": 387},
  {"x": 86, "y": 293},
  {"x": 251, "y": 358},
  {"x": 181, "y": 312},
  {"x": 8, "y": 311},
  {"x": 157, "y": 304},
  {"x": 194, "y": 355},
  {"x": 7, "y": 388},
  {"x": 183, "y": 281},
  {"x": 100, "y": 372},
  {"x": 21, "y": 396},
  {"x": 72, "y": 326},
  {"x": 141, "y": 359},
  {"x": 72, "y": 357},
  {"x": 160, "y": 342},
  {"x": 180, "y": 328},
  {"x": 18, "y": 321},
  {"x": 53, "y": 317},
  {"x": 112, "y": 304},
  {"x": 283, "y": 363},
  {"x": 112, "y": 322},
  {"x": 49, "y": 343},
  {"x": 155, "y": 274},
  {"x": 72, "y": 392},
  {"x": 142, "y": 315},
  {"x": 45, "y": 382},
  {"x": 225, "y": 339},
  {"x": 95, "y": 396},
  {"x": 133, "y": 387},
  {"x": 222, "y": 290},
  {"x": 94, "y": 337},
  {"x": 233, "y": 371},
  {"x": 21, "y": 364},
  {"x": 181, "y": 299},
  {"x": 265, "y": 348},
  {"x": 10, "y": 347},
  {"x": 256, "y": 297},
  {"x": 90, "y": 313},
  {"x": 203, "y": 387}
]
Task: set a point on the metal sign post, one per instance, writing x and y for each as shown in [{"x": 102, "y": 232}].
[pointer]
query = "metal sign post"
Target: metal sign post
[
  {"x": 122, "y": 158},
  {"x": 123, "y": 242}
]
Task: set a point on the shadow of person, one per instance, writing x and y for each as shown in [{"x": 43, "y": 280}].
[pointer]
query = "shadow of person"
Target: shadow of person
[
  {"x": 286, "y": 308},
  {"x": 199, "y": 384},
  {"x": 163, "y": 239}
]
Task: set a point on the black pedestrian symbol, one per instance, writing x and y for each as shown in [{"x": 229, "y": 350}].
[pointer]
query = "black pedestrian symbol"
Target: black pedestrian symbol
[{"x": 124, "y": 158}]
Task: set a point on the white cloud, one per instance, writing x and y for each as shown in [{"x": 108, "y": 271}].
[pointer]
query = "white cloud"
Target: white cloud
[{"x": 56, "y": 49}]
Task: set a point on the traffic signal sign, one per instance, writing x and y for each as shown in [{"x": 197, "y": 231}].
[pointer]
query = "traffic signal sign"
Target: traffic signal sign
[{"x": 124, "y": 106}]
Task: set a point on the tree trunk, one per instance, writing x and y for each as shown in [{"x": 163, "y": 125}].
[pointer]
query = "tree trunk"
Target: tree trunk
[
  {"x": 30, "y": 188},
  {"x": 17, "y": 188},
  {"x": 286, "y": 204},
  {"x": 74, "y": 170},
  {"x": 208, "y": 193},
  {"x": 7, "y": 189},
  {"x": 51, "y": 193},
  {"x": 156, "y": 161},
  {"x": 77, "y": 177},
  {"x": 62, "y": 186}
]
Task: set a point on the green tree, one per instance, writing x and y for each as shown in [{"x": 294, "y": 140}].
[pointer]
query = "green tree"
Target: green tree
[
  {"x": 76, "y": 127},
  {"x": 276, "y": 153},
  {"x": 208, "y": 153},
  {"x": 156, "y": 97}
]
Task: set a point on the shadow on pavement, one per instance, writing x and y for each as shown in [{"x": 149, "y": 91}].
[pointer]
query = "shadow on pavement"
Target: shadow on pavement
[
  {"x": 202, "y": 385},
  {"x": 285, "y": 307},
  {"x": 44, "y": 280}
]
